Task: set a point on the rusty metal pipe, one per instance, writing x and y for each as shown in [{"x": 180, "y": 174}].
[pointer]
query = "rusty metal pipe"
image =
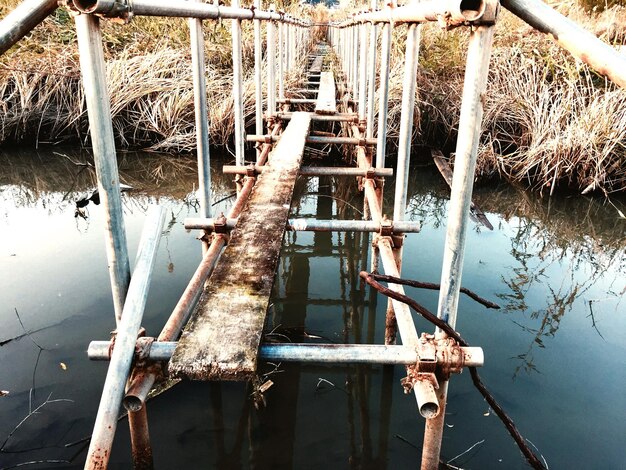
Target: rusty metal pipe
[
  {"x": 22, "y": 20},
  {"x": 140, "y": 440}
]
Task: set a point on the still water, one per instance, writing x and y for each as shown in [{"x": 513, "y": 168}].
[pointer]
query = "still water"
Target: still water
[{"x": 554, "y": 352}]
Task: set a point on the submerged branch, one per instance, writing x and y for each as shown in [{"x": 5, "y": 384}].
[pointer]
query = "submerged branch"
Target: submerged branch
[{"x": 532, "y": 459}]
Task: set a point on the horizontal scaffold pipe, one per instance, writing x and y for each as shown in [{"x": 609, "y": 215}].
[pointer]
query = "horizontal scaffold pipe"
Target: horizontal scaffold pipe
[
  {"x": 314, "y": 171},
  {"x": 311, "y": 225},
  {"x": 22, "y": 20},
  {"x": 339, "y": 117},
  {"x": 582, "y": 44},
  {"x": 315, "y": 139},
  {"x": 203, "y": 11},
  {"x": 307, "y": 352},
  {"x": 450, "y": 12}
]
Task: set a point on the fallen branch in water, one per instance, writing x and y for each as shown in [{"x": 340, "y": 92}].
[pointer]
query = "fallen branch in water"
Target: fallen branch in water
[
  {"x": 448, "y": 330},
  {"x": 433, "y": 286}
]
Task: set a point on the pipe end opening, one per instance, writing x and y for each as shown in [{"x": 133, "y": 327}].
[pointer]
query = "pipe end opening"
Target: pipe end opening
[
  {"x": 132, "y": 403},
  {"x": 429, "y": 410},
  {"x": 85, "y": 6},
  {"x": 472, "y": 9}
]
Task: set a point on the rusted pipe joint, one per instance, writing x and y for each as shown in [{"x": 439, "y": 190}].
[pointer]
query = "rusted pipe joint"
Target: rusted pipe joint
[{"x": 220, "y": 225}]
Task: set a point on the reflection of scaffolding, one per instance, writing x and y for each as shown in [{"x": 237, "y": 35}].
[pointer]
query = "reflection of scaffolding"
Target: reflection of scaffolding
[{"x": 226, "y": 344}]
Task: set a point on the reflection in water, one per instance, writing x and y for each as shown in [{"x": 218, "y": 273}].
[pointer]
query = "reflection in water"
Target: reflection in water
[{"x": 557, "y": 265}]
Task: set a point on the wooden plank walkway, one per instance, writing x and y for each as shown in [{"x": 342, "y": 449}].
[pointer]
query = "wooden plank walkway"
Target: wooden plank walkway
[
  {"x": 316, "y": 66},
  {"x": 326, "y": 102},
  {"x": 221, "y": 340}
]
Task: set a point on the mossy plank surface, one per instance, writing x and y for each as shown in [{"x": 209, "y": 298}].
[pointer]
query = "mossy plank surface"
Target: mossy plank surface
[{"x": 221, "y": 340}]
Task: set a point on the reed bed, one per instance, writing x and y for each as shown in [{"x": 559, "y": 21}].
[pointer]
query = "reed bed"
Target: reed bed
[{"x": 549, "y": 122}]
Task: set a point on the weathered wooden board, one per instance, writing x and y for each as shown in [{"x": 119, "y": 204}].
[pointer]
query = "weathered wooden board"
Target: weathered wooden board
[
  {"x": 326, "y": 102},
  {"x": 316, "y": 66},
  {"x": 222, "y": 338},
  {"x": 476, "y": 214}
]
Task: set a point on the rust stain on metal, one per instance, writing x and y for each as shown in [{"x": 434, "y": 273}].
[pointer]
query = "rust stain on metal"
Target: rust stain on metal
[{"x": 222, "y": 338}]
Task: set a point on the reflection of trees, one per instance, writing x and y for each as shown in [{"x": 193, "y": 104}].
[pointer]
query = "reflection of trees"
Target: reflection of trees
[{"x": 563, "y": 235}]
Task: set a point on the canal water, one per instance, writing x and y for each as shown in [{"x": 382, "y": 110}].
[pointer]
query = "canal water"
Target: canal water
[{"x": 554, "y": 351}]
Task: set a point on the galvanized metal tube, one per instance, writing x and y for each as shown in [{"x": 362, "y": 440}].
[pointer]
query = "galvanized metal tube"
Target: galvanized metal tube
[
  {"x": 355, "y": 62},
  {"x": 476, "y": 71},
  {"x": 383, "y": 95},
  {"x": 307, "y": 352},
  {"x": 371, "y": 90},
  {"x": 581, "y": 43},
  {"x": 22, "y": 20},
  {"x": 316, "y": 171},
  {"x": 271, "y": 68},
  {"x": 258, "y": 79},
  {"x": 317, "y": 140},
  {"x": 453, "y": 12},
  {"x": 281, "y": 60},
  {"x": 204, "y": 11},
  {"x": 339, "y": 117},
  {"x": 363, "y": 72},
  {"x": 196, "y": 38},
  {"x": 103, "y": 144},
  {"x": 313, "y": 225},
  {"x": 123, "y": 353},
  {"x": 406, "y": 120},
  {"x": 238, "y": 89}
]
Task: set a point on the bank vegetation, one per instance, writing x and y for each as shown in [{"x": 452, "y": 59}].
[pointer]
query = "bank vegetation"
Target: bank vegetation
[{"x": 550, "y": 121}]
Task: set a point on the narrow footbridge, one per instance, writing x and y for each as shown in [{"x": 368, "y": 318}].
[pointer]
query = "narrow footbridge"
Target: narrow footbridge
[{"x": 216, "y": 330}]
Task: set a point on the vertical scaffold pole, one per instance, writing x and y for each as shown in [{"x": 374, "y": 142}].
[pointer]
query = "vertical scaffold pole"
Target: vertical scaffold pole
[
  {"x": 281, "y": 59},
  {"x": 121, "y": 359},
  {"x": 103, "y": 144},
  {"x": 196, "y": 38},
  {"x": 476, "y": 71},
  {"x": 355, "y": 61},
  {"x": 362, "y": 73},
  {"x": 271, "y": 68},
  {"x": 371, "y": 91},
  {"x": 238, "y": 89},
  {"x": 258, "y": 79},
  {"x": 406, "y": 120},
  {"x": 383, "y": 94}
]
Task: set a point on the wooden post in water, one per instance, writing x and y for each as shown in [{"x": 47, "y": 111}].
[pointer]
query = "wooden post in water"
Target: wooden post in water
[
  {"x": 238, "y": 89},
  {"x": 258, "y": 79},
  {"x": 476, "y": 71},
  {"x": 196, "y": 39}
]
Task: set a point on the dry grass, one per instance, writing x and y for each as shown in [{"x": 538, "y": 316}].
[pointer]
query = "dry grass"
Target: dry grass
[
  {"x": 550, "y": 121},
  {"x": 149, "y": 79}
]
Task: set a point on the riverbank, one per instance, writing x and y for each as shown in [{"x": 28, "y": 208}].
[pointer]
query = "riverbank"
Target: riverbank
[{"x": 550, "y": 121}]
